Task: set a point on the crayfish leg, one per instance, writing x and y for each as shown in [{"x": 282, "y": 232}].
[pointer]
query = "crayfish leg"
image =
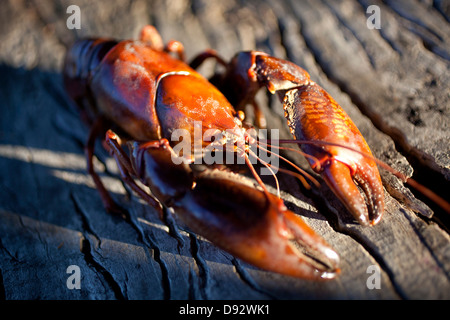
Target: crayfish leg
[
  {"x": 151, "y": 37},
  {"x": 99, "y": 129},
  {"x": 126, "y": 170},
  {"x": 209, "y": 53}
]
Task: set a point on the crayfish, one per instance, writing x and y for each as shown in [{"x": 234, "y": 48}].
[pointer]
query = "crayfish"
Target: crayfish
[{"x": 143, "y": 91}]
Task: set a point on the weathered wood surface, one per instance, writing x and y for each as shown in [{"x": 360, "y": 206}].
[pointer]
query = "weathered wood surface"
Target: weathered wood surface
[{"x": 394, "y": 82}]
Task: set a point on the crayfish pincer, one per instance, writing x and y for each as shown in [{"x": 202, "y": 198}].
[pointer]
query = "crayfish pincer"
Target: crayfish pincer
[{"x": 142, "y": 92}]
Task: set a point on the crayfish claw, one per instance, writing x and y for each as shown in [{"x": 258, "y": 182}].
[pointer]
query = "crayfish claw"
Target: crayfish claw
[
  {"x": 251, "y": 226},
  {"x": 366, "y": 210},
  {"x": 338, "y": 178},
  {"x": 316, "y": 252},
  {"x": 248, "y": 223},
  {"x": 369, "y": 181}
]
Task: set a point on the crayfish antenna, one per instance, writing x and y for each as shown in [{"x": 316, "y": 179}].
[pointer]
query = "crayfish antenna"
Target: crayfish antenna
[
  {"x": 268, "y": 166},
  {"x": 302, "y": 172},
  {"x": 258, "y": 178}
]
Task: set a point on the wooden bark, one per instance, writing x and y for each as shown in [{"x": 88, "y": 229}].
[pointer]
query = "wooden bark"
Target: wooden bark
[{"x": 392, "y": 81}]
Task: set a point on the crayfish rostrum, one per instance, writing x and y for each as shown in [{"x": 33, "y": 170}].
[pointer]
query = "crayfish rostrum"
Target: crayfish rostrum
[{"x": 143, "y": 91}]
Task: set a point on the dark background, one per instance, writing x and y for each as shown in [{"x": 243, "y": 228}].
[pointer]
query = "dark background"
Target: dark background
[{"x": 393, "y": 82}]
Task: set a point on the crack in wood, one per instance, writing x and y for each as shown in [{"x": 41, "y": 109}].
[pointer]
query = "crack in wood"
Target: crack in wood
[
  {"x": 248, "y": 280},
  {"x": 146, "y": 239},
  {"x": 203, "y": 269},
  {"x": 86, "y": 250}
]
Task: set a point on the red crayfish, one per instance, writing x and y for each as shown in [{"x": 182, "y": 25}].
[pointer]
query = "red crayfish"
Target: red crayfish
[{"x": 142, "y": 92}]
